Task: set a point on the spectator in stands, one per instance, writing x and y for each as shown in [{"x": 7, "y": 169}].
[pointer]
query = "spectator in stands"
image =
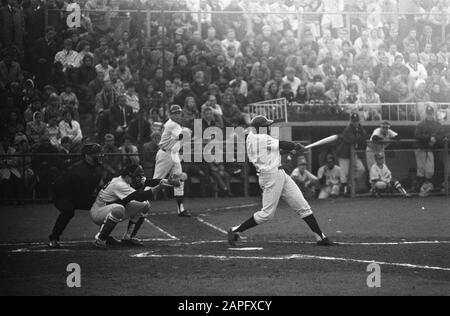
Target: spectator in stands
[
  {"x": 132, "y": 97},
  {"x": 231, "y": 114},
  {"x": 329, "y": 177},
  {"x": 69, "y": 101},
  {"x": 149, "y": 151},
  {"x": 53, "y": 132},
  {"x": 36, "y": 128},
  {"x": 130, "y": 150},
  {"x": 12, "y": 25},
  {"x": 68, "y": 58},
  {"x": 140, "y": 128},
  {"x": 111, "y": 161},
  {"x": 120, "y": 117},
  {"x": 10, "y": 71},
  {"x": 305, "y": 180},
  {"x": 354, "y": 135},
  {"x": 381, "y": 178},
  {"x": 43, "y": 55},
  {"x": 220, "y": 70},
  {"x": 292, "y": 80},
  {"x": 70, "y": 128},
  {"x": 190, "y": 113},
  {"x": 371, "y": 103},
  {"x": 10, "y": 177},
  {"x": 105, "y": 67},
  {"x": 416, "y": 70}
]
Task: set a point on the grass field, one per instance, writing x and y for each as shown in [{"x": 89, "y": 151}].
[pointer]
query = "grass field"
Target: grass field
[{"x": 410, "y": 239}]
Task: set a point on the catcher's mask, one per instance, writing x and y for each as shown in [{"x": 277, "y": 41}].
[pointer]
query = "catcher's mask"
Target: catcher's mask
[{"x": 136, "y": 173}]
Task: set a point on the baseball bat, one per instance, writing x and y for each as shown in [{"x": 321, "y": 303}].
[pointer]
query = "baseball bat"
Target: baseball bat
[{"x": 324, "y": 141}]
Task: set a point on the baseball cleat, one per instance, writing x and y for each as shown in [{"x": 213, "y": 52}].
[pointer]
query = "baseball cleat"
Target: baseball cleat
[
  {"x": 101, "y": 244},
  {"x": 233, "y": 237},
  {"x": 111, "y": 241},
  {"x": 133, "y": 242},
  {"x": 184, "y": 214},
  {"x": 53, "y": 244},
  {"x": 326, "y": 242}
]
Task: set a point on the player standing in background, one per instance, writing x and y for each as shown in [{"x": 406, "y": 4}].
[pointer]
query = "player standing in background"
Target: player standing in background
[
  {"x": 168, "y": 160},
  {"x": 75, "y": 189},
  {"x": 306, "y": 181},
  {"x": 264, "y": 152},
  {"x": 382, "y": 134},
  {"x": 120, "y": 200}
]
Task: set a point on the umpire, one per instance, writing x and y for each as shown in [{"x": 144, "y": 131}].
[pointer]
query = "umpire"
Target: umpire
[{"x": 76, "y": 189}]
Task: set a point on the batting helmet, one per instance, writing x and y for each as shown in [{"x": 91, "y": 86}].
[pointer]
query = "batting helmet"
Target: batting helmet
[
  {"x": 261, "y": 121},
  {"x": 175, "y": 109}
]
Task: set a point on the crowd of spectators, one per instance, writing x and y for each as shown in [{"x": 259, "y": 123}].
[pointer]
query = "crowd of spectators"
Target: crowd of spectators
[{"x": 108, "y": 81}]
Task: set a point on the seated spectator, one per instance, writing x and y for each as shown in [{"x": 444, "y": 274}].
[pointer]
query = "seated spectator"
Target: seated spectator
[
  {"x": 140, "y": 128},
  {"x": 53, "y": 132},
  {"x": 208, "y": 119},
  {"x": 370, "y": 100},
  {"x": 416, "y": 69},
  {"x": 190, "y": 113},
  {"x": 292, "y": 80},
  {"x": 221, "y": 70},
  {"x": 70, "y": 128},
  {"x": 287, "y": 93},
  {"x": 184, "y": 93},
  {"x": 337, "y": 93},
  {"x": 232, "y": 116},
  {"x": 183, "y": 70},
  {"x": 68, "y": 58},
  {"x": 130, "y": 150},
  {"x": 437, "y": 95},
  {"x": 120, "y": 117},
  {"x": 256, "y": 94},
  {"x": 305, "y": 180},
  {"x": 381, "y": 178},
  {"x": 10, "y": 177},
  {"x": 106, "y": 98},
  {"x": 36, "y": 128},
  {"x": 111, "y": 161},
  {"x": 132, "y": 97},
  {"x": 69, "y": 101},
  {"x": 105, "y": 67},
  {"x": 199, "y": 86},
  {"x": 123, "y": 72},
  {"x": 10, "y": 71},
  {"x": 261, "y": 71},
  {"x": 329, "y": 177},
  {"x": 215, "y": 108},
  {"x": 272, "y": 92}
]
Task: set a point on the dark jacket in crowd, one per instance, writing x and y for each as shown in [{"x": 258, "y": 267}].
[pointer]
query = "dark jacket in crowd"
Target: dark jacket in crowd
[{"x": 117, "y": 117}]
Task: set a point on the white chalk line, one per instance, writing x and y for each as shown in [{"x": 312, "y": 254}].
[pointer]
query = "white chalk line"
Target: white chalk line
[
  {"x": 217, "y": 228},
  {"x": 288, "y": 257},
  {"x": 392, "y": 243},
  {"x": 217, "y": 209},
  {"x": 70, "y": 242},
  {"x": 172, "y": 237}
]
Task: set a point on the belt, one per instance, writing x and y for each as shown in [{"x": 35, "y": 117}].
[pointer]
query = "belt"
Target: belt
[{"x": 279, "y": 168}]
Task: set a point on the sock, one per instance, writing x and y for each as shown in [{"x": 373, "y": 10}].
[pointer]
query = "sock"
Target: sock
[
  {"x": 130, "y": 229},
  {"x": 314, "y": 226},
  {"x": 180, "y": 204},
  {"x": 108, "y": 227},
  {"x": 399, "y": 188},
  {"x": 138, "y": 226},
  {"x": 250, "y": 223}
]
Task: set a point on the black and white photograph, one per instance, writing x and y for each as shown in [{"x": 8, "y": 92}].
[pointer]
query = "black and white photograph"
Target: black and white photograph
[{"x": 222, "y": 154}]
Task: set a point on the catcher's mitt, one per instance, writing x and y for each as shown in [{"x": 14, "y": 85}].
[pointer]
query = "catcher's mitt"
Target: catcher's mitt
[{"x": 175, "y": 180}]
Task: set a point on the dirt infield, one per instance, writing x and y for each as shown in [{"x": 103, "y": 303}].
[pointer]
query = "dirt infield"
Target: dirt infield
[{"x": 409, "y": 239}]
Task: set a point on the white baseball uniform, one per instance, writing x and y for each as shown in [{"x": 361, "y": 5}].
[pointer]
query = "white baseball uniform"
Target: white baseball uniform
[
  {"x": 264, "y": 152},
  {"x": 374, "y": 148},
  {"x": 117, "y": 189},
  {"x": 168, "y": 159},
  {"x": 332, "y": 181}
]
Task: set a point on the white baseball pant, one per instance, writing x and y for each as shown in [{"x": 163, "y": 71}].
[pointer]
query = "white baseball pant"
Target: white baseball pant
[
  {"x": 278, "y": 185},
  {"x": 345, "y": 169},
  {"x": 133, "y": 210},
  {"x": 330, "y": 190},
  {"x": 167, "y": 164}
]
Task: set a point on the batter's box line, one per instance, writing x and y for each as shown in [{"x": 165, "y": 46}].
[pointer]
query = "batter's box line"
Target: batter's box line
[
  {"x": 389, "y": 243},
  {"x": 209, "y": 210},
  {"x": 288, "y": 257}
]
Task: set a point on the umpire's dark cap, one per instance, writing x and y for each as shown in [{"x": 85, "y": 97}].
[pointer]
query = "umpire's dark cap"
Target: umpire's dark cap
[
  {"x": 355, "y": 117},
  {"x": 261, "y": 121}
]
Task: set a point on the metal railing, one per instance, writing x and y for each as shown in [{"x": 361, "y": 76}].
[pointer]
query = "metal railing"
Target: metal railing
[{"x": 281, "y": 111}]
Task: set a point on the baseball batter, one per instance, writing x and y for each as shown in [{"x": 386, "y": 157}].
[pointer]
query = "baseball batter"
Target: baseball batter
[
  {"x": 264, "y": 152},
  {"x": 168, "y": 159},
  {"x": 120, "y": 200}
]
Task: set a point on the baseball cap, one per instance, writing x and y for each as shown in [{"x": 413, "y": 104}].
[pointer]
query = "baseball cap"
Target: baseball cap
[
  {"x": 379, "y": 156},
  {"x": 355, "y": 117},
  {"x": 430, "y": 110},
  {"x": 301, "y": 161},
  {"x": 109, "y": 137},
  {"x": 175, "y": 109},
  {"x": 261, "y": 121},
  {"x": 385, "y": 124}
]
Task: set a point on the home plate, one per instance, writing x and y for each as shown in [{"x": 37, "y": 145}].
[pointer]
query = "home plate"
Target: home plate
[{"x": 247, "y": 249}]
